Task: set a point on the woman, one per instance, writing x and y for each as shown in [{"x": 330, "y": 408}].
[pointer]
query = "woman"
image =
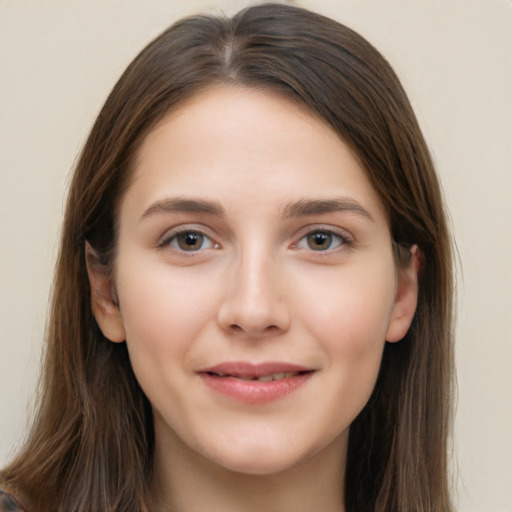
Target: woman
[{"x": 252, "y": 304}]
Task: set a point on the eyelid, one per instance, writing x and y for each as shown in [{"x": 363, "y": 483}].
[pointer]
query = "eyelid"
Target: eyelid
[
  {"x": 346, "y": 238},
  {"x": 170, "y": 234}
]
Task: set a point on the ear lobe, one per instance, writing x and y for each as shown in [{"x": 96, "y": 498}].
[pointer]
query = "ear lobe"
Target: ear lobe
[
  {"x": 406, "y": 298},
  {"x": 103, "y": 300}
]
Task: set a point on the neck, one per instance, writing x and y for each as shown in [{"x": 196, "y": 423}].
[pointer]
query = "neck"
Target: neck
[{"x": 185, "y": 481}]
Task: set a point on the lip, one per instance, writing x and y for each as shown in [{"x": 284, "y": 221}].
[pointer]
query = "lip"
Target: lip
[{"x": 231, "y": 379}]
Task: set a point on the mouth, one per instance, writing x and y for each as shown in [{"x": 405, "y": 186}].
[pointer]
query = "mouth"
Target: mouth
[
  {"x": 255, "y": 384},
  {"x": 261, "y": 378}
]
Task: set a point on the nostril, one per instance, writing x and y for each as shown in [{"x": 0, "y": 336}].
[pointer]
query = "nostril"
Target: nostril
[
  {"x": 237, "y": 329},
  {"x": 238, "y": 315},
  {"x": 234, "y": 328}
]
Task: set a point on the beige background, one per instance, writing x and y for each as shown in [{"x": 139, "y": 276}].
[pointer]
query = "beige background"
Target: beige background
[{"x": 58, "y": 61}]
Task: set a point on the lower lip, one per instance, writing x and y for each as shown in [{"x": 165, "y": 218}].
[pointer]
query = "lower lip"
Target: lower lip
[{"x": 254, "y": 391}]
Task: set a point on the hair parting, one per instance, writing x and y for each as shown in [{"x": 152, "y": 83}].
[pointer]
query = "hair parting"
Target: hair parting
[{"x": 91, "y": 444}]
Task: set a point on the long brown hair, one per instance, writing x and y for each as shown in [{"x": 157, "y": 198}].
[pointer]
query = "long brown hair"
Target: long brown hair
[{"x": 92, "y": 441}]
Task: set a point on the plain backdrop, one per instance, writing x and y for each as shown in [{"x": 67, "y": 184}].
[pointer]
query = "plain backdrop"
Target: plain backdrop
[{"x": 58, "y": 61}]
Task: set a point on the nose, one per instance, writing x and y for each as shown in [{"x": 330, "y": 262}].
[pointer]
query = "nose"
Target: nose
[{"x": 254, "y": 303}]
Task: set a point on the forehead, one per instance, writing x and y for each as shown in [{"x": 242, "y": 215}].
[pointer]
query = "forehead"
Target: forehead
[{"x": 233, "y": 142}]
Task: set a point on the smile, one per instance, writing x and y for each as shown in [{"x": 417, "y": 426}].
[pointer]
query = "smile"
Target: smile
[
  {"x": 255, "y": 384},
  {"x": 262, "y": 378}
]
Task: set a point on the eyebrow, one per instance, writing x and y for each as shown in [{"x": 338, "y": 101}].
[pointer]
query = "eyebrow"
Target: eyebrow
[
  {"x": 185, "y": 204},
  {"x": 300, "y": 208},
  {"x": 304, "y": 207}
]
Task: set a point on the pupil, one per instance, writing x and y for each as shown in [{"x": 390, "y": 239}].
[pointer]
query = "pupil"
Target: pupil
[
  {"x": 190, "y": 241},
  {"x": 320, "y": 241}
]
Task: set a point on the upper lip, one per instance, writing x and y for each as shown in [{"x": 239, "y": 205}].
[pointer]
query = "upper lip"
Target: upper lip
[{"x": 246, "y": 370}]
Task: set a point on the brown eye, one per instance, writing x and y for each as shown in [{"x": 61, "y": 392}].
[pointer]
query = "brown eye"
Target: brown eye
[
  {"x": 189, "y": 241},
  {"x": 322, "y": 241},
  {"x": 319, "y": 241}
]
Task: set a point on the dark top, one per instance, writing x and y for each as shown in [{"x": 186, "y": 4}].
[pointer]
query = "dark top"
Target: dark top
[{"x": 9, "y": 502}]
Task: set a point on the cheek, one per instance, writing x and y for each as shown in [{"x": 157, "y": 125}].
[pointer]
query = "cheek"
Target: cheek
[
  {"x": 163, "y": 313},
  {"x": 349, "y": 318},
  {"x": 353, "y": 303}
]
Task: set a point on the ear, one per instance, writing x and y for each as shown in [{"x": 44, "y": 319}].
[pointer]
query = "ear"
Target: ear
[
  {"x": 406, "y": 298},
  {"x": 103, "y": 300}
]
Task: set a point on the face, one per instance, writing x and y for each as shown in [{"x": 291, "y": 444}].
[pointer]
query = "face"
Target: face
[{"x": 256, "y": 282}]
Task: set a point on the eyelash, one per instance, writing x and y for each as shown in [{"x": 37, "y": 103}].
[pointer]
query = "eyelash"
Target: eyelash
[
  {"x": 342, "y": 240},
  {"x": 171, "y": 237},
  {"x": 335, "y": 237}
]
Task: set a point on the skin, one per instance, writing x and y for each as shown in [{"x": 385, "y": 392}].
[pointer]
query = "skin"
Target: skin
[{"x": 258, "y": 288}]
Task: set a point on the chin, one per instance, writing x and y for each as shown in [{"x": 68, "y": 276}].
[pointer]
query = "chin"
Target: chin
[
  {"x": 264, "y": 459},
  {"x": 258, "y": 466}
]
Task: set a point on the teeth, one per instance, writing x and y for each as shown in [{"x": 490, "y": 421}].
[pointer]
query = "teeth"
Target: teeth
[
  {"x": 276, "y": 376},
  {"x": 263, "y": 378}
]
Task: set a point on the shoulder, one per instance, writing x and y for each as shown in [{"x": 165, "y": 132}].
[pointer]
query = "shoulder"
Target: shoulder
[{"x": 9, "y": 502}]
